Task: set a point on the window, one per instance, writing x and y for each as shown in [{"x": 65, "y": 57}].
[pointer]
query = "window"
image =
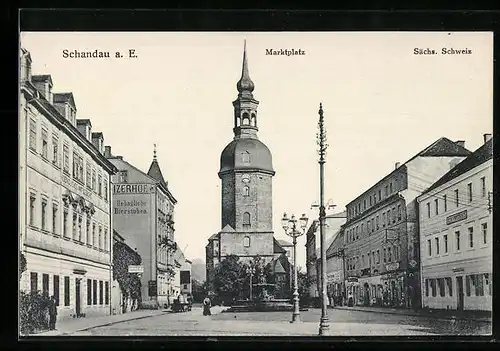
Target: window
[
  {"x": 445, "y": 237},
  {"x": 469, "y": 192},
  {"x": 375, "y": 198},
  {"x": 378, "y": 256},
  {"x": 66, "y": 291},
  {"x": 385, "y": 259},
  {"x": 389, "y": 254},
  {"x": 65, "y": 222},
  {"x": 478, "y": 284},
  {"x": 467, "y": 285},
  {"x": 362, "y": 228},
  {"x": 100, "y": 238},
  {"x": 122, "y": 176},
  {"x": 54, "y": 218},
  {"x": 94, "y": 235},
  {"x": 106, "y": 293},
  {"x": 433, "y": 287},
  {"x": 370, "y": 200},
  {"x": 441, "y": 286},
  {"x": 357, "y": 232},
  {"x": 33, "y": 127},
  {"x": 33, "y": 282},
  {"x": 383, "y": 219},
  {"x": 363, "y": 260},
  {"x": 483, "y": 187},
  {"x": 399, "y": 212},
  {"x": 386, "y": 190},
  {"x": 105, "y": 239},
  {"x": 368, "y": 225},
  {"x": 456, "y": 197},
  {"x": 471, "y": 237},
  {"x": 427, "y": 287},
  {"x": 45, "y": 284},
  {"x": 77, "y": 167},
  {"x": 246, "y": 219},
  {"x": 379, "y": 195},
  {"x": 246, "y": 191},
  {"x": 99, "y": 185},
  {"x": 484, "y": 228},
  {"x": 390, "y": 187},
  {"x": 445, "y": 203},
  {"x": 457, "y": 240},
  {"x": 88, "y": 175},
  {"x": 376, "y": 221},
  {"x": 89, "y": 292},
  {"x": 89, "y": 238},
  {"x": 32, "y": 209},
  {"x": 80, "y": 228},
  {"x": 66, "y": 158},
  {"x": 75, "y": 223},
  {"x": 450, "y": 286},
  {"x": 364, "y": 204},
  {"x": 94, "y": 183},
  {"x": 394, "y": 215},
  {"x": 94, "y": 292},
  {"x": 45, "y": 144},
  {"x": 429, "y": 247},
  {"x": 101, "y": 295},
  {"x": 437, "y": 246},
  {"x": 369, "y": 260},
  {"x": 105, "y": 191},
  {"x": 436, "y": 206},
  {"x": 44, "y": 214},
  {"x": 55, "y": 150},
  {"x": 56, "y": 289},
  {"x": 487, "y": 282},
  {"x": 246, "y": 241}
]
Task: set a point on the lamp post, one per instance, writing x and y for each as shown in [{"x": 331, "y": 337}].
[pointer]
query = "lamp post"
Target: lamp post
[
  {"x": 322, "y": 146},
  {"x": 251, "y": 272},
  {"x": 290, "y": 227}
]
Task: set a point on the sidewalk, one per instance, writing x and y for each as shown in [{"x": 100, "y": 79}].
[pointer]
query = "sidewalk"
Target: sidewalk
[
  {"x": 81, "y": 324},
  {"x": 479, "y": 316}
]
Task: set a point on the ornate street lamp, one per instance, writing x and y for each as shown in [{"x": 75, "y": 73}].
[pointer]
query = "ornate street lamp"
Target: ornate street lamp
[
  {"x": 322, "y": 146},
  {"x": 290, "y": 228},
  {"x": 251, "y": 272}
]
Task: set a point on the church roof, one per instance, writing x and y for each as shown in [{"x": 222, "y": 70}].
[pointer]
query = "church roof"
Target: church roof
[
  {"x": 228, "y": 229},
  {"x": 245, "y": 84},
  {"x": 246, "y": 153}
]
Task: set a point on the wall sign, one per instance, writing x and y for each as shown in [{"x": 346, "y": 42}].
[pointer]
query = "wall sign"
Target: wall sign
[
  {"x": 392, "y": 266},
  {"x": 457, "y": 217}
]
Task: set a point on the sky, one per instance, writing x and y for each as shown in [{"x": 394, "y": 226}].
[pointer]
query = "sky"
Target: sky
[{"x": 382, "y": 104}]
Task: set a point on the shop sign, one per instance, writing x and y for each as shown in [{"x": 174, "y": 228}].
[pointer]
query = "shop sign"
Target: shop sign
[
  {"x": 73, "y": 185},
  {"x": 352, "y": 279},
  {"x": 460, "y": 216},
  {"x": 392, "y": 266}
]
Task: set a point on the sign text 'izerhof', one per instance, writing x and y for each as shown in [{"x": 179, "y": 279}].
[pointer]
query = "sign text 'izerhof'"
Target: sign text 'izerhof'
[{"x": 133, "y": 188}]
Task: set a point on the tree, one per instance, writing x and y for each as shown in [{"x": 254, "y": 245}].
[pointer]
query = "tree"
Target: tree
[
  {"x": 229, "y": 278},
  {"x": 303, "y": 284},
  {"x": 22, "y": 264},
  {"x": 199, "y": 290}
]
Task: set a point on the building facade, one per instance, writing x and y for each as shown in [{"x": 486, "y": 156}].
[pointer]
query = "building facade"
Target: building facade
[
  {"x": 381, "y": 234},
  {"x": 143, "y": 213},
  {"x": 246, "y": 172},
  {"x": 335, "y": 270},
  {"x": 456, "y": 235},
  {"x": 185, "y": 275},
  {"x": 65, "y": 218}
]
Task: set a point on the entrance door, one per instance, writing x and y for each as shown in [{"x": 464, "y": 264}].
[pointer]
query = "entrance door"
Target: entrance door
[
  {"x": 460, "y": 293},
  {"x": 77, "y": 297}
]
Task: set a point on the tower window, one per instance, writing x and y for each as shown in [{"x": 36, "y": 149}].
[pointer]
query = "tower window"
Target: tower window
[
  {"x": 246, "y": 219},
  {"x": 246, "y": 241},
  {"x": 246, "y": 191},
  {"x": 246, "y": 119},
  {"x": 254, "y": 120}
]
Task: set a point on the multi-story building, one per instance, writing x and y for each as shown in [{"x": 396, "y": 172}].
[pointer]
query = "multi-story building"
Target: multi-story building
[
  {"x": 66, "y": 225},
  {"x": 456, "y": 236},
  {"x": 185, "y": 278},
  {"x": 143, "y": 213},
  {"x": 381, "y": 234},
  {"x": 335, "y": 269},
  {"x": 288, "y": 247}
]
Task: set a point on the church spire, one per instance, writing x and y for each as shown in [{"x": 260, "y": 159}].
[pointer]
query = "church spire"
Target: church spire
[{"x": 245, "y": 85}]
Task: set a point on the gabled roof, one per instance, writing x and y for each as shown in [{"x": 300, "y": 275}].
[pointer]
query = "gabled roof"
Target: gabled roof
[
  {"x": 478, "y": 157},
  {"x": 214, "y": 236},
  {"x": 284, "y": 243},
  {"x": 278, "y": 267},
  {"x": 65, "y": 97},
  {"x": 155, "y": 172},
  {"x": 39, "y": 78},
  {"x": 277, "y": 247},
  {"x": 227, "y": 229}
]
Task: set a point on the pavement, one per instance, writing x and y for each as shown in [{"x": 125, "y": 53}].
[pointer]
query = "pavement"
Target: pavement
[
  {"x": 426, "y": 313},
  {"x": 343, "y": 322}
]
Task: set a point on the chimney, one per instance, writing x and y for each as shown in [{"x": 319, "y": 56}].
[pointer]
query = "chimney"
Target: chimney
[
  {"x": 460, "y": 143},
  {"x": 396, "y": 166},
  {"x": 98, "y": 141},
  {"x": 107, "y": 151},
  {"x": 487, "y": 137},
  {"x": 25, "y": 65},
  {"x": 85, "y": 128}
]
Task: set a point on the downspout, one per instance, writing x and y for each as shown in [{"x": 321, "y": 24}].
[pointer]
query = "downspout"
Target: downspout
[{"x": 110, "y": 238}]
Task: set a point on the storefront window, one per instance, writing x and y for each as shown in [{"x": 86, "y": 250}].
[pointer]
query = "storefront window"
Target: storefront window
[{"x": 450, "y": 286}]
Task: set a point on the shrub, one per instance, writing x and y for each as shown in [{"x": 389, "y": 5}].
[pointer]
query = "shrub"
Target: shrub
[{"x": 33, "y": 312}]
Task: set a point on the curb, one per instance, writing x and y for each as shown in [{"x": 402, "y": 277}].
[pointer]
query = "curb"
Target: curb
[
  {"x": 415, "y": 315},
  {"x": 105, "y": 324}
]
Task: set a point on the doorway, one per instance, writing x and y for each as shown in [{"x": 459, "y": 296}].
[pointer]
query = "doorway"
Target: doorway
[
  {"x": 77, "y": 297},
  {"x": 460, "y": 293}
]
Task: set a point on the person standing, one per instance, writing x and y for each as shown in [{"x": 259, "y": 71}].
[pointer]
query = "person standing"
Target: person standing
[
  {"x": 52, "y": 313},
  {"x": 206, "y": 307}
]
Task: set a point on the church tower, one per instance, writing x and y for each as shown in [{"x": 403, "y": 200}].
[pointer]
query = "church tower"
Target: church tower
[{"x": 246, "y": 173}]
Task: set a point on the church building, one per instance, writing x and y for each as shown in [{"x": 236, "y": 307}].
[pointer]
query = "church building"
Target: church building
[{"x": 246, "y": 173}]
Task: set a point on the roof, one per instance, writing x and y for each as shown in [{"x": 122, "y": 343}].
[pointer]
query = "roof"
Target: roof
[
  {"x": 155, "y": 172},
  {"x": 278, "y": 267},
  {"x": 65, "y": 97},
  {"x": 97, "y": 135},
  {"x": 478, "y": 157},
  {"x": 342, "y": 214},
  {"x": 443, "y": 147},
  {"x": 284, "y": 243},
  {"x": 214, "y": 236},
  {"x": 227, "y": 229},
  {"x": 42, "y": 78},
  {"x": 246, "y": 154},
  {"x": 83, "y": 121},
  {"x": 277, "y": 247}
]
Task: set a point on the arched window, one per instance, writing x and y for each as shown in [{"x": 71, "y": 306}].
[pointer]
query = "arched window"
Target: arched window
[
  {"x": 246, "y": 219},
  {"x": 254, "y": 120},
  {"x": 246, "y": 119},
  {"x": 246, "y": 241},
  {"x": 246, "y": 191}
]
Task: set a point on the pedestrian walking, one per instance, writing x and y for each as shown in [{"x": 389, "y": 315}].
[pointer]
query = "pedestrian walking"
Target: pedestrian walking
[
  {"x": 206, "y": 307},
  {"x": 52, "y": 313}
]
